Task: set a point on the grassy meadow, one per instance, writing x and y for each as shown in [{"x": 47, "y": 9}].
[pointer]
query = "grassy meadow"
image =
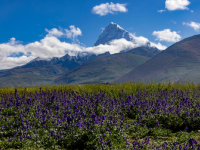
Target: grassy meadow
[{"x": 101, "y": 116}]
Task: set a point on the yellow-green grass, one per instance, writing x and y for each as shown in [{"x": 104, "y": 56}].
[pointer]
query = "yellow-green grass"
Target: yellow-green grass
[{"x": 113, "y": 89}]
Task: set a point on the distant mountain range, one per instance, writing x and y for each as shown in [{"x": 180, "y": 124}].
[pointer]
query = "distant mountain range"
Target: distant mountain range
[
  {"x": 40, "y": 71},
  {"x": 178, "y": 63},
  {"x": 102, "y": 69},
  {"x": 66, "y": 61}
]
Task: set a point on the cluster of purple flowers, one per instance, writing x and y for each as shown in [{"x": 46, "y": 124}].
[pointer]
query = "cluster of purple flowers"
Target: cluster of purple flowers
[
  {"x": 191, "y": 144},
  {"x": 69, "y": 120},
  {"x": 53, "y": 117}
]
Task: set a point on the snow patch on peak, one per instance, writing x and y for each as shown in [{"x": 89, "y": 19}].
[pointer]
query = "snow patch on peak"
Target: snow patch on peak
[
  {"x": 112, "y": 32},
  {"x": 114, "y": 25}
]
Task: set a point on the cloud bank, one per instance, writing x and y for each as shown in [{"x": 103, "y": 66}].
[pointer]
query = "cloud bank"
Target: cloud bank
[
  {"x": 106, "y": 8},
  {"x": 194, "y": 25},
  {"x": 167, "y": 35},
  {"x": 14, "y": 53},
  {"x": 172, "y": 5}
]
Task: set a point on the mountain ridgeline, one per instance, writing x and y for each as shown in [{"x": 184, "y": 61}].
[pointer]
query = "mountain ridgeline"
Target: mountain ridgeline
[
  {"x": 180, "y": 62},
  {"x": 102, "y": 69},
  {"x": 82, "y": 67},
  {"x": 67, "y": 61},
  {"x": 41, "y": 71}
]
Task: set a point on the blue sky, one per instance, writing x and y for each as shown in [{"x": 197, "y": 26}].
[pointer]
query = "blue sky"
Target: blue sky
[{"x": 27, "y": 20}]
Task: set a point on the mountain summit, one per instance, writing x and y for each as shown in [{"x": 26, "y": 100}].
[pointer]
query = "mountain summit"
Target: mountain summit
[{"x": 113, "y": 31}]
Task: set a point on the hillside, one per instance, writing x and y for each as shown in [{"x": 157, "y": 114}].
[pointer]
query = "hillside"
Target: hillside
[
  {"x": 30, "y": 76},
  {"x": 105, "y": 68},
  {"x": 180, "y": 62}
]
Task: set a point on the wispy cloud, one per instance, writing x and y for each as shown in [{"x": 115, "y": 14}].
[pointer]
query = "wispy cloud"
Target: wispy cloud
[
  {"x": 173, "y": 21},
  {"x": 172, "y": 5},
  {"x": 194, "y": 25},
  {"x": 73, "y": 32},
  {"x": 106, "y": 8},
  {"x": 54, "y": 32},
  {"x": 167, "y": 35},
  {"x": 162, "y": 10}
]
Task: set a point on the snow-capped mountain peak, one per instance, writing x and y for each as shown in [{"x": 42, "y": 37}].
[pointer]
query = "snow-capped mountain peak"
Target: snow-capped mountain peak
[
  {"x": 113, "y": 31},
  {"x": 112, "y": 24}
]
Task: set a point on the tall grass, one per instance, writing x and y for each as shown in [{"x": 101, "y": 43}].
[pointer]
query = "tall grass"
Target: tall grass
[{"x": 112, "y": 89}]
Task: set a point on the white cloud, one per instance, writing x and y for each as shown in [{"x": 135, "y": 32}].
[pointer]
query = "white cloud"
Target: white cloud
[
  {"x": 158, "y": 45},
  {"x": 191, "y": 11},
  {"x": 194, "y": 25},
  {"x": 12, "y": 41},
  {"x": 106, "y": 8},
  {"x": 172, "y": 5},
  {"x": 73, "y": 32},
  {"x": 167, "y": 35},
  {"x": 114, "y": 46},
  {"x": 50, "y": 47},
  {"x": 54, "y": 32},
  {"x": 10, "y": 62},
  {"x": 118, "y": 45},
  {"x": 140, "y": 40},
  {"x": 162, "y": 10}
]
